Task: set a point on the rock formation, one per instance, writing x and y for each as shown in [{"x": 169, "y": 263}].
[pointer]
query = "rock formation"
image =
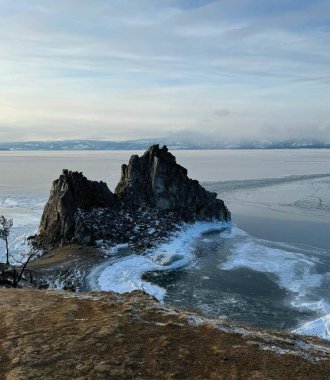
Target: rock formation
[
  {"x": 72, "y": 192},
  {"x": 154, "y": 193},
  {"x": 156, "y": 180}
]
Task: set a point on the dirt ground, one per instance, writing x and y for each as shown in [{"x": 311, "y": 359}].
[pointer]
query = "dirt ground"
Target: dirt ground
[
  {"x": 66, "y": 266},
  {"x": 59, "y": 335},
  {"x": 67, "y": 257}
]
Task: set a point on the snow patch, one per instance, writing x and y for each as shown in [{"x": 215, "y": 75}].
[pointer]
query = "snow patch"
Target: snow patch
[
  {"x": 115, "y": 249},
  {"x": 125, "y": 274},
  {"x": 319, "y": 327},
  {"x": 10, "y": 202}
]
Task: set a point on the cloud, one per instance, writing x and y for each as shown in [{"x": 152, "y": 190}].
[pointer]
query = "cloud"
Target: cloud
[{"x": 122, "y": 69}]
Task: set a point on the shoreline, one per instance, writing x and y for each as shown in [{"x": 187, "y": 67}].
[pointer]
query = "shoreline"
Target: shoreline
[
  {"x": 126, "y": 274},
  {"x": 123, "y": 271},
  {"x": 65, "y": 267}
]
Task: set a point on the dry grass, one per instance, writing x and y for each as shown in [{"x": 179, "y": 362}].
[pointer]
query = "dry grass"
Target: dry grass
[{"x": 56, "y": 335}]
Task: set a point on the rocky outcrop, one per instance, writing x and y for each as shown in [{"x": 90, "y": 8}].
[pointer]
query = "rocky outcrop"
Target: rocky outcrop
[
  {"x": 153, "y": 196},
  {"x": 156, "y": 180},
  {"x": 70, "y": 195}
]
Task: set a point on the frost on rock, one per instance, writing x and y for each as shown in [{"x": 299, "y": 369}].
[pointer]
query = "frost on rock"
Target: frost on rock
[{"x": 153, "y": 197}]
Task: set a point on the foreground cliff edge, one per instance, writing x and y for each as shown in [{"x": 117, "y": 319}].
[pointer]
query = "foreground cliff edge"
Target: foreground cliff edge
[{"x": 61, "y": 335}]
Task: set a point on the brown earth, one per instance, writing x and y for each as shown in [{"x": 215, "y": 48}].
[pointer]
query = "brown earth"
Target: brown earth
[
  {"x": 69, "y": 256},
  {"x": 58, "y": 335},
  {"x": 66, "y": 266}
]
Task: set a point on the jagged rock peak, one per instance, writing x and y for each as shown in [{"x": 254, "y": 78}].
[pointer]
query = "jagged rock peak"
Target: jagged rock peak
[
  {"x": 152, "y": 187},
  {"x": 60, "y": 221},
  {"x": 156, "y": 180}
]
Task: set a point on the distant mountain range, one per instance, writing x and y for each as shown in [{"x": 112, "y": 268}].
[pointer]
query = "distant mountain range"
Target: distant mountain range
[{"x": 143, "y": 144}]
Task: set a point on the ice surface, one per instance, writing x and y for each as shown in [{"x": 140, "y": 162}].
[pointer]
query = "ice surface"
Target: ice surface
[
  {"x": 294, "y": 271},
  {"x": 319, "y": 327},
  {"x": 26, "y": 213},
  {"x": 293, "y": 268},
  {"x": 295, "y": 197},
  {"x": 125, "y": 274},
  {"x": 290, "y": 265},
  {"x": 10, "y": 202}
]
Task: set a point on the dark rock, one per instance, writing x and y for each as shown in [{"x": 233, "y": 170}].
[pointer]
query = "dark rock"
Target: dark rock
[
  {"x": 15, "y": 277},
  {"x": 156, "y": 180},
  {"x": 139, "y": 228},
  {"x": 154, "y": 196},
  {"x": 61, "y": 221}
]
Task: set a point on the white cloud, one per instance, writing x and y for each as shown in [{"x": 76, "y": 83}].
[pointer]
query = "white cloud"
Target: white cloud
[{"x": 123, "y": 69}]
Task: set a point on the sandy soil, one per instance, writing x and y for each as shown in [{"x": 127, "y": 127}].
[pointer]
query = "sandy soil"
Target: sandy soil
[
  {"x": 58, "y": 335},
  {"x": 66, "y": 266},
  {"x": 67, "y": 256}
]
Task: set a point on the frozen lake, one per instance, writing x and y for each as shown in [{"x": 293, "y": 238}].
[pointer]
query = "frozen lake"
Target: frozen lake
[
  {"x": 271, "y": 269},
  {"x": 32, "y": 172}
]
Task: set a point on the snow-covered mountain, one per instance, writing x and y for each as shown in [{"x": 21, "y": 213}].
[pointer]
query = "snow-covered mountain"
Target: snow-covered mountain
[{"x": 144, "y": 143}]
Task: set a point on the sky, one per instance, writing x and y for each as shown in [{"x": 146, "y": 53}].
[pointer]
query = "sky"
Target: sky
[{"x": 122, "y": 69}]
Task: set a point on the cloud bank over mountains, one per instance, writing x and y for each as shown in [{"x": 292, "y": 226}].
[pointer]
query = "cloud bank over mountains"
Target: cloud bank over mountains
[{"x": 118, "y": 70}]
